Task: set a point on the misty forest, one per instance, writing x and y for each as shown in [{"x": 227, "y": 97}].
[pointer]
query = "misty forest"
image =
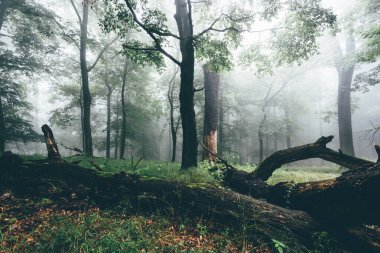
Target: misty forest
[{"x": 190, "y": 126}]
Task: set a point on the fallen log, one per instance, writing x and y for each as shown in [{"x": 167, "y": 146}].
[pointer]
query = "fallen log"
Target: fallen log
[
  {"x": 351, "y": 200},
  {"x": 261, "y": 221},
  {"x": 317, "y": 149}
]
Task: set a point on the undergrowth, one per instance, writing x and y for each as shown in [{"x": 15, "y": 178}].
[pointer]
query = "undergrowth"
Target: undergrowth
[
  {"x": 41, "y": 225},
  {"x": 172, "y": 172},
  {"x": 31, "y": 226}
]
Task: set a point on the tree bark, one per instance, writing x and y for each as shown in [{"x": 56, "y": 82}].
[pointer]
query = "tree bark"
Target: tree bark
[
  {"x": 117, "y": 128},
  {"x": 2, "y": 129},
  {"x": 51, "y": 145},
  {"x": 211, "y": 111},
  {"x": 345, "y": 74},
  {"x": 261, "y": 137},
  {"x": 85, "y": 82},
  {"x": 123, "y": 134},
  {"x": 344, "y": 205},
  {"x": 3, "y": 9},
  {"x": 221, "y": 137},
  {"x": 186, "y": 95},
  {"x": 108, "y": 127},
  {"x": 317, "y": 149},
  {"x": 173, "y": 123}
]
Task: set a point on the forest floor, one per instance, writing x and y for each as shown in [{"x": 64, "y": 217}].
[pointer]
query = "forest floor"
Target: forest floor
[{"x": 73, "y": 225}]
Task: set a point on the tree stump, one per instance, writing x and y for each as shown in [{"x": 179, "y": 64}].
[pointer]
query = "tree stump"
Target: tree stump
[{"x": 51, "y": 145}]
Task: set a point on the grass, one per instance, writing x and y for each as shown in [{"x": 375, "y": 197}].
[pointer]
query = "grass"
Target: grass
[
  {"x": 30, "y": 226},
  {"x": 156, "y": 169},
  {"x": 304, "y": 174},
  {"x": 171, "y": 171},
  {"x": 42, "y": 225}
]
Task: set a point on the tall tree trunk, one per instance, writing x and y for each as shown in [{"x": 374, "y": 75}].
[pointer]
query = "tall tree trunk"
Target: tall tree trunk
[
  {"x": 210, "y": 134},
  {"x": 3, "y": 9},
  {"x": 2, "y": 129},
  {"x": 108, "y": 138},
  {"x": 173, "y": 132},
  {"x": 173, "y": 123},
  {"x": 261, "y": 136},
  {"x": 345, "y": 74},
  {"x": 81, "y": 116},
  {"x": 186, "y": 95},
  {"x": 123, "y": 134},
  {"x": 117, "y": 128},
  {"x": 85, "y": 83},
  {"x": 220, "y": 128},
  {"x": 109, "y": 94}
]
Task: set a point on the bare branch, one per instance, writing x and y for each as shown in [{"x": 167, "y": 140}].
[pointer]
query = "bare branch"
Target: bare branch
[
  {"x": 76, "y": 12},
  {"x": 101, "y": 54},
  {"x": 72, "y": 149},
  {"x": 199, "y": 89}
]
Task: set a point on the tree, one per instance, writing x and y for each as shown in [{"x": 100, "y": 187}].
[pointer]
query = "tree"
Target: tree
[
  {"x": 345, "y": 71},
  {"x": 211, "y": 113},
  {"x": 26, "y": 33},
  {"x": 174, "y": 122},
  {"x": 123, "y": 134},
  {"x": 153, "y": 23},
  {"x": 83, "y": 22}
]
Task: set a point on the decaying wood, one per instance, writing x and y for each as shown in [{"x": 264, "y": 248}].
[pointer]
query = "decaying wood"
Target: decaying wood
[
  {"x": 317, "y": 149},
  {"x": 75, "y": 149},
  {"x": 261, "y": 220},
  {"x": 351, "y": 200},
  {"x": 51, "y": 145}
]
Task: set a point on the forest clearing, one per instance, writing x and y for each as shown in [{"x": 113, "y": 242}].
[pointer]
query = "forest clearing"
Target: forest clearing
[{"x": 189, "y": 126}]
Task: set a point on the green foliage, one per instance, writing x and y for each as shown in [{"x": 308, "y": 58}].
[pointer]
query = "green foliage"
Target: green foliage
[
  {"x": 279, "y": 246},
  {"x": 119, "y": 19},
  {"x": 372, "y": 50},
  {"x": 304, "y": 25},
  {"x": 293, "y": 42},
  {"x": 29, "y": 35},
  {"x": 152, "y": 169},
  {"x": 215, "y": 52}
]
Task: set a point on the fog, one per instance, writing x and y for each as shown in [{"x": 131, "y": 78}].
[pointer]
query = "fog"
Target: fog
[{"x": 306, "y": 99}]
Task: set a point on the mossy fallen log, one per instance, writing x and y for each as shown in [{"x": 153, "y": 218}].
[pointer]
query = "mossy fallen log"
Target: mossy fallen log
[{"x": 262, "y": 221}]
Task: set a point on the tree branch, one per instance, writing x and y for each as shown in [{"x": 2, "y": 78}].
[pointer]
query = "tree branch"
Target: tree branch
[
  {"x": 199, "y": 89},
  {"x": 212, "y": 28},
  {"x": 317, "y": 149},
  {"x": 76, "y": 12},
  {"x": 151, "y": 34},
  {"x": 101, "y": 54}
]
